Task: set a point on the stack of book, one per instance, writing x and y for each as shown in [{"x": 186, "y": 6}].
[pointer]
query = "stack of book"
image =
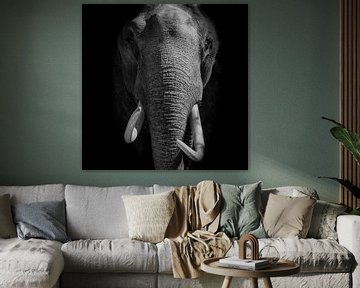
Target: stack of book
[{"x": 248, "y": 264}]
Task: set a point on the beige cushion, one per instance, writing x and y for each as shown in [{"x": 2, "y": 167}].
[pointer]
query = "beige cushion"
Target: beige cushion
[
  {"x": 149, "y": 215},
  {"x": 288, "y": 217},
  {"x": 293, "y": 191},
  {"x": 7, "y": 226}
]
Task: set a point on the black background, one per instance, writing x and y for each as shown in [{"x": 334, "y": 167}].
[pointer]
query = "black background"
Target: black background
[{"x": 227, "y": 145}]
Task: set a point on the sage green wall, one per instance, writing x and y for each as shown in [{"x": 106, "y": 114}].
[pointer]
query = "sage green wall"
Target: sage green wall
[{"x": 293, "y": 81}]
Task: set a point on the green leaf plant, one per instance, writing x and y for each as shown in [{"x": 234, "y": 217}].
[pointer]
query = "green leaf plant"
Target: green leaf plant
[{"x": 351, "y": 142}]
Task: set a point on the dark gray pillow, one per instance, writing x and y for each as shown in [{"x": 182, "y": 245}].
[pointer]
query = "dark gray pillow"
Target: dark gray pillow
[
  {"x": 240, "y": 213},
  {"x": 44, "y": 220}
]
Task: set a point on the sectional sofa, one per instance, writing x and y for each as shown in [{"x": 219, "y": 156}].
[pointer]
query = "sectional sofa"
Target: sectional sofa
[{"x": 99, "y": 253}]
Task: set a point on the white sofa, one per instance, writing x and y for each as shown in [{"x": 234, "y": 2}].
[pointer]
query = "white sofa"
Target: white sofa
[{"x": 101, "y": 254}]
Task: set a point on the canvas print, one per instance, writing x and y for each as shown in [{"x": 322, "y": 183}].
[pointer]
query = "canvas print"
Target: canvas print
[{"x": 165, "y": 87}]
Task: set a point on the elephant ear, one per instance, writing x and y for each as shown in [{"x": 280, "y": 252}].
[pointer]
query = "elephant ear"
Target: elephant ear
[
  {"x": 209, "y": 51},
  {"x": 128, "y": 54}
]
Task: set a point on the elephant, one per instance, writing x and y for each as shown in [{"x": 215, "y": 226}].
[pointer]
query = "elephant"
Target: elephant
[{"x": 164, "y": 58}]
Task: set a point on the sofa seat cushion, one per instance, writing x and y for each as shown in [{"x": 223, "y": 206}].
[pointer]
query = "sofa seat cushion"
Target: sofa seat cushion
[
  {"x": 313, "y": 255},
  {"x": 30, "y": 263},
  {"x": 110, "y": 255},
  {"x": 164, "y": 257}
]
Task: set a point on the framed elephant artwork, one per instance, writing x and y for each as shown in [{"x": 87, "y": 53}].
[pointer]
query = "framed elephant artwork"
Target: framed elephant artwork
[{"x": 165, "y": 87}]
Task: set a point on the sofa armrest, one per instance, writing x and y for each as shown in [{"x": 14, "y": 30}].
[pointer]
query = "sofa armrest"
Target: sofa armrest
[{"x": 348, "y": 230}]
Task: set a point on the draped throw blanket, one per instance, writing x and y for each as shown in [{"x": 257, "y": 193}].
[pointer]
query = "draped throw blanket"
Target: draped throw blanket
[{"x": 191, "y": 232}]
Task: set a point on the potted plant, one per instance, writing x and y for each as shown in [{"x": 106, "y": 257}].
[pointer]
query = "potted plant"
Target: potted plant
[{"x": 351, "y": 141}]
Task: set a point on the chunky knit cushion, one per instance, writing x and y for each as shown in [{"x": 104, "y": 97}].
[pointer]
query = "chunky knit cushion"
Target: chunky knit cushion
[{"x": 149, "y": 215}]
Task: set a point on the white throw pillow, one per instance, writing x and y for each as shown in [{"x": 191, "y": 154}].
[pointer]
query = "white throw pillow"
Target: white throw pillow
[{"x": 149, "y": 215}]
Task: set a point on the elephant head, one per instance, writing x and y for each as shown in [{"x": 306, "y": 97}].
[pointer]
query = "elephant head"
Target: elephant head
[{"x": 167, "y": 53}]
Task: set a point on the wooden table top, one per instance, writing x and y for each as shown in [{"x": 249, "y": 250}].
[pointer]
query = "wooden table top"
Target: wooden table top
[{"x": 281, "y": 268}]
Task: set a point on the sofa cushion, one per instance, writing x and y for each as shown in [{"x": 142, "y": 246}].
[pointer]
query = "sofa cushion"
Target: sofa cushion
[
  {"x": 149, "y": 215},
  {"x": 116, "y": 255},
  {"x": 323, "y": 222},
  {"x": 164, "y": 257},
  {"x": 98, "y": 213},
  {"x": 36, "y": 193},
  {"x": 162, "y": 188},
  {"x": 7, "y": 226},
  {"x": 30, "y": 263},
  {"x": 291, "y": 191},
  {"x": 287, "y": 216},
  {"x": 240, "y": 210},
  {"x": 43, "y": 220},
  {"x": 313, "y": 255}
]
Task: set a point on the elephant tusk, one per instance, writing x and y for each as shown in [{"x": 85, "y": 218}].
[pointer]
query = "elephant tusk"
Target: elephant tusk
[
  {"x": 199, "y": 143},
  {"x": 134, "y": 124}
]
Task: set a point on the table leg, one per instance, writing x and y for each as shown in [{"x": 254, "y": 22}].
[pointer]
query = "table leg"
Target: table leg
[
  {"x": 254, "y": 282},
  {"x": 227, "y": 282},
  {"x": 267, "y": 283}
]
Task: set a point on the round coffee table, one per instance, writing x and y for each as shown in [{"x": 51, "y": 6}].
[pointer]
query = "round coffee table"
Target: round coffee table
[{"x": 281, "y": 268}]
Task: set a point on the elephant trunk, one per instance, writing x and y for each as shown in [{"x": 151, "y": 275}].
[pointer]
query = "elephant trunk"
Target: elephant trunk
[
  {"x": 171, "y": 86},
  {"x": 168, "y": 114}
]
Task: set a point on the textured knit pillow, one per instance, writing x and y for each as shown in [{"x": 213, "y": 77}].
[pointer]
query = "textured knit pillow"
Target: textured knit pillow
[
  {"x": 240, "y": 210},
  {"x": 323, "y": 222},
  {"x": 149, "y": 215},
  {"x": 7, "y": 226},
  {"x": 288, "y": 217},
  {"x": 43, "y": 220}
]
